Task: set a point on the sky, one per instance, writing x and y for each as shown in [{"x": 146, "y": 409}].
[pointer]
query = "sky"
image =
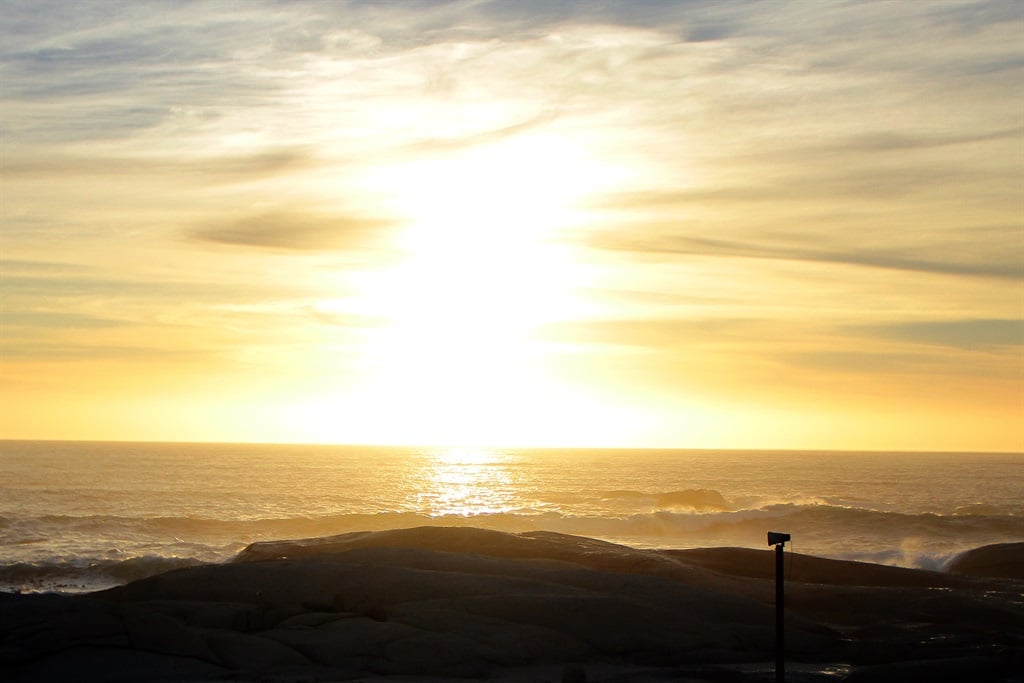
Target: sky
[{"x": 562, "y": 223}]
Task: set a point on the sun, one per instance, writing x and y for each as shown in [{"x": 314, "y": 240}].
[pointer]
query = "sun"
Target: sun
[
  {"x": 483, "y": 268},
  {"x": 458, "y": 351}
]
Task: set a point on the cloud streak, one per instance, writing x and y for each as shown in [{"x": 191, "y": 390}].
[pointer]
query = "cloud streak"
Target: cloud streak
[
  {"x": 215, "y": 169},
  {"x": 977, "y": 334},
  {"x": 299, "y": 231},
  {"x": 1004, "y": 267}
]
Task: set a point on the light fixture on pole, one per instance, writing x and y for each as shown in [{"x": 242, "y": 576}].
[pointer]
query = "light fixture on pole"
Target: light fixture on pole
[{"x": 779, "y": 541}]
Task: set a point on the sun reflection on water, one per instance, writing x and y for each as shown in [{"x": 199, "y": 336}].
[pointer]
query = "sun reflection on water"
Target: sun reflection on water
[{"x": 466, "y": 482}]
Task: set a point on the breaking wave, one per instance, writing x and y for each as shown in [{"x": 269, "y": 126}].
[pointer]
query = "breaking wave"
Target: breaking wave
[
  {"x": 86, "y": 574},
  {"x": 99, "y": 551}
]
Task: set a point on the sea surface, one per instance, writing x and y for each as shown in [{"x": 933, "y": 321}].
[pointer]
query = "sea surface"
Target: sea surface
[{"x": 80, "y": 516}]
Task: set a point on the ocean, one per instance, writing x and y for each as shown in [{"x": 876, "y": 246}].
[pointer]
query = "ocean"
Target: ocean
[{"x": 82, "y": 516}]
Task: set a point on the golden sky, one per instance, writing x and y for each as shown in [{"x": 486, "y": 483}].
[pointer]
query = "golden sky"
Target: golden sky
[{"x": 681, "y": 224}]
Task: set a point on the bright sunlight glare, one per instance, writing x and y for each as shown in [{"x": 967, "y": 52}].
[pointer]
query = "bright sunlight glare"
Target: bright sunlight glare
[{"x": 482, "y": 270}]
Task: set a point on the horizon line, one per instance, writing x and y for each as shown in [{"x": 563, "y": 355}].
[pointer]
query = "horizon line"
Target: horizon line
[{"x": 518, "y": 447}]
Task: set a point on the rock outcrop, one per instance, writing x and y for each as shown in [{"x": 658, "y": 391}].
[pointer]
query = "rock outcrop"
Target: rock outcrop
[
  {"x": 1001, "y": 560},
  {"x": 468, "y": 603}
]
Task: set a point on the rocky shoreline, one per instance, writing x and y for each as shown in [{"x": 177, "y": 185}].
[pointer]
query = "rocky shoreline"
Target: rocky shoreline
[{"x": 438, "y": 603}]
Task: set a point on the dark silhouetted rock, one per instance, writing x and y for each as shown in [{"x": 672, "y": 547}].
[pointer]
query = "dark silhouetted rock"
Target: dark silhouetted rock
[
  {"x": 1001, "y": 560},
  {"x": 443, "y": 603}
]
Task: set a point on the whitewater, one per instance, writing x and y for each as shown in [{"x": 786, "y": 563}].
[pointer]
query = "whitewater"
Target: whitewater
[{"x": 80, "y": 516}]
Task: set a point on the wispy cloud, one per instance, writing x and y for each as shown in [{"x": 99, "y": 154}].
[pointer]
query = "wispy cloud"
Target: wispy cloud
[
  {"x": 1003, "y": 265},
  {"x": 979, "y": 334},
  {"x": 442, "y": 145},
  {"x": 890, "y": 142},
  {"x": 70, "y": 284},
  {"x": 86, "y": 350},
  {"x": 297, "y": 231},
  {"x": 660, "y": 334},
  {"x": 55, "y": 320},
  {"x": 223, "y": 168}
]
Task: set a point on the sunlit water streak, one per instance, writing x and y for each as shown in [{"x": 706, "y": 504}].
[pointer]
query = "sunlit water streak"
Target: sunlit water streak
[{"x": 83, "y": 515}]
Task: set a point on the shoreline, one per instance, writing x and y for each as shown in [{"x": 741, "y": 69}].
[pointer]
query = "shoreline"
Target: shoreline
[
  {"x": 92, "y": 575},
  {"x": 30, "y": 570},
  {"x": 460, "y": 602}
]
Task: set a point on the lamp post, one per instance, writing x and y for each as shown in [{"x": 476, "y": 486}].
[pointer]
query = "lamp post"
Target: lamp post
[{"x": 779, "y": 541}]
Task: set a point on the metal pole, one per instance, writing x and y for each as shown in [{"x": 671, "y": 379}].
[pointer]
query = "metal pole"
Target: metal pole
[{"x": 780, "y": 635}]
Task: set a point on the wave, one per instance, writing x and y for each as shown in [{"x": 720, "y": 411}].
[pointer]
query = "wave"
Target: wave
[
  {"x": 692, "y": 499},
  {"x": 694, "y": 507},
  {"x": 86, "y": 574},
  {"x": 68, "y": 553},
  {"x": 679, "y": 521},
  {"x": 986, "y": 509}
]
